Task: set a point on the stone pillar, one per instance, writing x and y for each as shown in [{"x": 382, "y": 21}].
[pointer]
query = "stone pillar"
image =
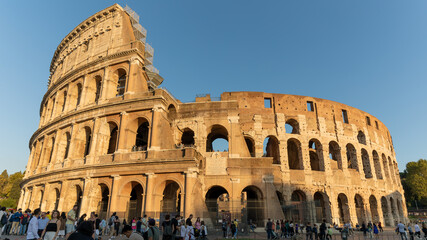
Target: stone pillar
[
  {"x": 235, "y": 198},
  {"x": 94, "y": 147},
  {"x": 155, "y": 133},
  {"x": 149, "y": 193},
  {"x": 87, "y": 197},
  {"x": 118, "y": 203},
  {"x": 191, "y": 181},
  {"x": 122, "y": 142},
  {"x": 352, "y": 209},
  {"x": 21, "y": 198}
]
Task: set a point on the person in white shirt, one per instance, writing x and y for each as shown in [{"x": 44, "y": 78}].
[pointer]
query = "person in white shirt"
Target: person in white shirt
[
  {"x": 33, "y": 226},
  {"x": 417, "y": 230},
  {"x": 402, "y": 231}
]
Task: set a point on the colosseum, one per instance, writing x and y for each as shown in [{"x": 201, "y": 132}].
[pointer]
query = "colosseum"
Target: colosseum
[{"x": 111, "y": 140}]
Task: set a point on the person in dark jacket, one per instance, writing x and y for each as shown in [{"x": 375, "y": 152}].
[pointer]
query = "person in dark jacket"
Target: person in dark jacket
[{"x": 84, "y": 232}]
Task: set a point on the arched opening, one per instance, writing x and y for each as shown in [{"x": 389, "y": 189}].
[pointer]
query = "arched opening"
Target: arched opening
[
  {"x": 320, "y": 203},
  {"x": 135, "y": 201},
  {"x": 171, "y": 112},
  {"x": 103, "y": 203},
  {"x": 374, "y": 208},
  {"x": 187, "y": 138},
  {"x": 253, "y": 205},
  {"x": 271, "y": 149},
  {"x": 335, "y": 155},
  {"x": 79, "y": 93},
  {"x": 218, "y": 204},
  {"x": 41, "y": 198},
  {"x": 377, "y": 164},
  {"x": 393, "y": 209},
  {"x": 391, "y": 168},
  {"x": 112, "y": 142},
  {"x": 217, "y": 139},
  {"x": 57, "y": 197},
  {"x": 316, "y": 155},
  {"x": 67, "y": 146},
  {"x": 385, "y": 164},
  {"x": 360, "y": 210},
  {"x": 300, "y": 211},
  {"x": 294, "y": 154},
  {"x": 361, "y": 138},
  {"x": 251, "y": 145},
  {"x": 98, "y": 80},
  {"x": 88, "y": 137},
  {"x": 121, "y": 82},
  {"x": 141, "y": 141},
  {"x": 52, "y": 144},
  {"x": 79, "y": 196},
  {"x": 292, "y": 126},
  {"x": 171, "y": 202},
  {"x": 343, "y": 208},
  {"x": 351, "y": 157},
  {"x": 64, "y": 101},
  {"x": 400, "y": 209},
  {"x": 366, "y": 164},
  {"x": 386, "y": 212}
]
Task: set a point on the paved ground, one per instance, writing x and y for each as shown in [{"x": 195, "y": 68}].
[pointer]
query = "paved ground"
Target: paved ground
[{"x": 389, "y": 235}]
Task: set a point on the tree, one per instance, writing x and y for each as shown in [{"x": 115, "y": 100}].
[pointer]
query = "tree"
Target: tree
[
  {"x": 414, "y": 182},
  {"x": 10, "y": 189}
]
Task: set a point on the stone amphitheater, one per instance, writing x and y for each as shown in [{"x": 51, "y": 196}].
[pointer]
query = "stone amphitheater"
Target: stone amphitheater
[{"x": 111, "y": 140}]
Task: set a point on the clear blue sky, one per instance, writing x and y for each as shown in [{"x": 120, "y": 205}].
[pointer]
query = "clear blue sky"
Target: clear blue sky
[{"x": 371, "y": 55}]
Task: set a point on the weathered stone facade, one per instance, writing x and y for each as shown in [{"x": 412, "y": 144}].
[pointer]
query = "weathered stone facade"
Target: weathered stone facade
[{"x": 111, "y": 140}]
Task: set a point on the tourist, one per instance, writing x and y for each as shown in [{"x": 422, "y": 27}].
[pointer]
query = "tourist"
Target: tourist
[
  {"x": 188, "y": 231},
  {"x": 364, "y": 229},
  {"x": 315, "y": 232},
  {"x": 167, "y": 228},
  {"x": 329, "y": 233},
  {"x": 370, "y": 229},
  {"x": 291, "y": 229},
  {"x": 224, "y": 228},
  {"x": 43, "y": 221},
  {"x": 269, "y": 228},
  {"x": 48, "y": 215},
  {"x": 130, "y": 233},
  {"x": 308, "y": 232},
  {"x": 401, "y": 229},
  {"x": 153, "y": 231},
  {"x": 188, "y": 221},
  {"x": 63, "y": 219},
  {"x": 81, "y": 219},
  {"x": 411, "y": 232},
  {"x": 32, "y": 233},
  {"x": 197, "y": 226},
  {"x": 234, "y": 229},
  {"x": 425, "y": 230},
  {"x": 417, "y": 230},
  {"x": 71, "y": 219},
  {"x": 133, "y": 226},
  {"x": 23, "y": 223},
  {"x": 16, "y": 218},
  {"x": 144, "y": 227},
  {"x": 344, "y": 233},
  {"x": 175, "y": 226},
  {"x": 102, "y": 227},
  {"x": 183, "y": 230},
  {"x": 380, "y": 226},
  {"x": 51, "y": 231},
  {"x": 3, "y": 219},
  {"x": 84, "y": 231},
  {"x": 138, "y": 225},
  {"x": 203, "y": 231},
  {"x": 322, "y": 230},
  {"x": 111, "y": 223}
]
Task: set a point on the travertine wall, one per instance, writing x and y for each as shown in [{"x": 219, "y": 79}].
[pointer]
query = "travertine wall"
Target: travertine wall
[{"x": 143, "y": 151}]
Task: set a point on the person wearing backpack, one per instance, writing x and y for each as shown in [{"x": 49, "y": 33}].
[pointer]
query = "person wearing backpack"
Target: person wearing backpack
[
  {"x": 23, "y": 224},
  {"x": 167, "y": 228},
  {"x": 153, "y": 230}
]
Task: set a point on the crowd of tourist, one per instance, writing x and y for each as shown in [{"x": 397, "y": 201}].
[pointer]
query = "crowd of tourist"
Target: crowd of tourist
[{"x": 54, "y": 225}]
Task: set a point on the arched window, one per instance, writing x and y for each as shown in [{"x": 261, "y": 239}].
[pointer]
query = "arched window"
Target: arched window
[
  {"x": 294, "y": 154},
  {"x": 292, "y": 126},
  {"x": 171, "y": 112},
  {"x": 53, "y": 107},
  {"x": 352, "y": 157},
  {"x": 361, "y": 137},
  {"x": 65, "y": 100},
  {"x": 97, "y": 88},
  {"x": 366, "y": 164},
  {"x": 141, "y": 141},
  {"x": 316, "y": 155},
  {"x": 251, "y": 146},
  {"x": 87, "y": 143},
  {"x": 113, "y": 138},
  {"x": 79, "y": 93},
  {"x": 121, "y": 83},
  {"x": 335, "y": 155},
  {"x": 271, "y": 149},
  {"x": 187, "y": 138},
  {"x": 217, "y": 139},
  {"x": 51, "y": 149},
  {"x": 377, "y": 164},
  {"x": 67, "y": 146}
]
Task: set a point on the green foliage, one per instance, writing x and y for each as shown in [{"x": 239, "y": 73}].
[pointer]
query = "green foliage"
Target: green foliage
[
  {"x": 414, "y": 182},
  {"x": 10, "y": 189}
]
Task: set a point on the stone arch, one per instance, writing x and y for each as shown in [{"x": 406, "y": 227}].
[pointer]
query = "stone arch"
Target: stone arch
[
  {"x": 112, "y": 142},
  {"x": 250, "y": 144},
  {"x": 93, "y": 89},
  {"x": 134, "y": 191},
  {"x": 171, "y": 202},
  {"x": 172, "y": 112},
  {"x": 217, "y": 200},
  {"x": 216, "y": 132},
  {"x": 253, "y": 204},
  {"x": 299, "y": 206},
  {"x": 385, "y": 165},
  {"x": 391, "y": 168},
  {"x": 386, "y": 212},
  {"x": 63, "y": 147},
  {"x": 377, "y": 165},
  {"x": 360, "y": 209},
  {"x": 400, "y": 208},
  {"x": 335, "y": 155},
  {"x": 104, "y": 197},
  {"x": 294, "y": 154},
  {"x": 121, "y": 82},
  {"x": 292, "y": 126},
  {"x": 316, "y": 155},
  {"x": 366, "y": 164},
  {"x": 374, "y": 209},
  {"x": 321, "y": 203},
  {"x": 53, "y": 199},
  {"x": 393, "y": 209},
  {"x": 78, "y": 195},
  {"x": 136, "y": 134},
  {"x": 271, "y": 149},
  {"x": 187, "y": 138},
  {"x": 351, "y": 157},
  {"x": 343, "y": 208},
  {"x": 361, "y": 138}
]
